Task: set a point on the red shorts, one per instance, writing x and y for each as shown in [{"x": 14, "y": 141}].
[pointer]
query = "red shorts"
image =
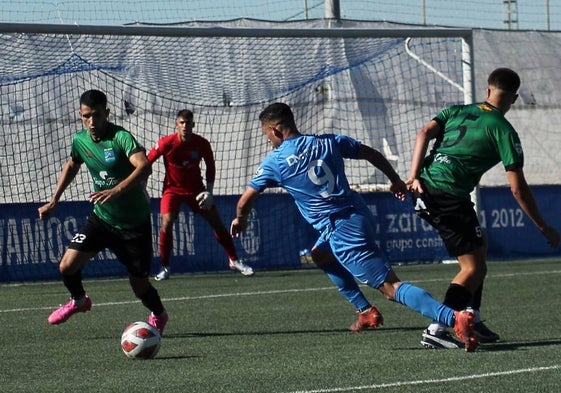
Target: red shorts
[{"x": 171, "y": 202}]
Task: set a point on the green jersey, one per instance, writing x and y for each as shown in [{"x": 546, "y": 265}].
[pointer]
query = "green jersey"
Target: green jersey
[
  {"x": 108, "y": 163},
  {"x": 473, "y": 139}
]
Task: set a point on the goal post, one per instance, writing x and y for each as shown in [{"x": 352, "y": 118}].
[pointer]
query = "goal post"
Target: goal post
[{"x": 376, "y": 85}]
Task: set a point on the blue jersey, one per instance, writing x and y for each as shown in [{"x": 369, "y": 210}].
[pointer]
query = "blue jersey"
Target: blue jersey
[{"x": 311, "y": 168}]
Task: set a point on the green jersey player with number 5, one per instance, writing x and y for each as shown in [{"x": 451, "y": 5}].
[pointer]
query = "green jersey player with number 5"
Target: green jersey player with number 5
[{"x": 469, "y": 140}]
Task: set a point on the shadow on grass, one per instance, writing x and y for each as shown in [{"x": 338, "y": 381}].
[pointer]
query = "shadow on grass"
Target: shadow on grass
[
  {"x": 175, "y": 357},
  {"x": 290, "y": 332},
  {"x": 516, "y": 345},
  {"x": 500, "y": 346}
]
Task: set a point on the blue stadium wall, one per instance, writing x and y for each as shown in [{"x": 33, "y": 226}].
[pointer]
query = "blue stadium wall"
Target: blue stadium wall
[{"x": 31, "y": 248}]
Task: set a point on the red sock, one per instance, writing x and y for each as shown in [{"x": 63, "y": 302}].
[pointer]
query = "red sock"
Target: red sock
[
  {"x": 165, "y": 243},
  {"x": 225, "y": 240}
]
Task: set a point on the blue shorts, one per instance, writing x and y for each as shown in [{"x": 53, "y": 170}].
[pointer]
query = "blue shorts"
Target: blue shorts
[{"x": 352, "y": 239}]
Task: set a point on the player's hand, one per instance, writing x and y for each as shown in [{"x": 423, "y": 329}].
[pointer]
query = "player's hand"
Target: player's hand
[
  {"x": 414, "y": 186},
  {"x": 399, "y": 190},
  {"x": 205, "y": 200},
  {"x": 552, "y": 236},
  {"x": 238, "y": 225},
  {"x": 45, "y": 210},
  {"x": 104, "y": 196}
]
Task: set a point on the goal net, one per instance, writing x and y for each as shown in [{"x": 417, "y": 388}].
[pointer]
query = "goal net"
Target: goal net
[{"x": 378, "y": 87}]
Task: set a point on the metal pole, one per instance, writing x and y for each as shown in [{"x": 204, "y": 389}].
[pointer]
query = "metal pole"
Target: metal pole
[
  {"x": 547, "y": 13},
  {"x": 170, "y": 31},
  {"x": 424, "y": 13},
  {"x": 332, "y": 9},
  {"x": 469, "y": 98}
]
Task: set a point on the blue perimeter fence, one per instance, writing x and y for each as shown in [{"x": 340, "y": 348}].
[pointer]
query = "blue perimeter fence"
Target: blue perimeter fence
[{"x": 276, "y": 238}]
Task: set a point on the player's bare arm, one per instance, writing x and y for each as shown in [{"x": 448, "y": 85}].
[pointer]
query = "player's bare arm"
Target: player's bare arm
[
  {"x": 243, "y": 208},
  {"x": 205, "y": 198},
  {"x": 210, "y": 174},
  {"x": 424, "y": 136},
  {"x": 378, "y": 160},
  {"x": 69, "y": 172},
  {"x": 142, "y": 169},
  {"x": 525, "y": 198}
]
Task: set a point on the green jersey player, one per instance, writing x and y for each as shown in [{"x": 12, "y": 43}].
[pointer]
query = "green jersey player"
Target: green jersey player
[
  {"x": 475, "y": 138},
  {"x": 108, "y": 164},
  {"x": 120, "y": 220},
  {"x": 469, "y": 140}
]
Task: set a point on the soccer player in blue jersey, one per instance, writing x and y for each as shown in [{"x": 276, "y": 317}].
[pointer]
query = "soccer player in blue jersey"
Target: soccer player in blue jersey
[{"x": 311, "y": 169}]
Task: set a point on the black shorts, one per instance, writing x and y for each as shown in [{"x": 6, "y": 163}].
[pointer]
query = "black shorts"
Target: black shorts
[
  {"x": 454, "y": 218},
  {"x": 133, "y": 247}
]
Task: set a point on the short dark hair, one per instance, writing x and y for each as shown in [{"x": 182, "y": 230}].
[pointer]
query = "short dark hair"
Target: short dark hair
[
  {"x": 185, "y": 113},
  {"x": 279, "y": 113},
  {"x": 504, "y": 79},
  {"x": 93, "y": 99}
]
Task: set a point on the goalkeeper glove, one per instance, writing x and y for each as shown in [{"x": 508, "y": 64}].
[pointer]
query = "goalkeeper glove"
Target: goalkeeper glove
[{"x": 205, "y": 200}]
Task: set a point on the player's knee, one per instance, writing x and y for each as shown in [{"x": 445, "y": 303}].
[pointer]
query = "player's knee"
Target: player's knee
[
  {"x": 476, "y": 271},
  {"x": 167, "y": 222},
  {"x": 388, "y": 290},
  {"x": 68, "y": 266},
  {"x": 167, "y": 226},
  {"x": 322, "y": 257},
  {"x": 63, "y": 269}
]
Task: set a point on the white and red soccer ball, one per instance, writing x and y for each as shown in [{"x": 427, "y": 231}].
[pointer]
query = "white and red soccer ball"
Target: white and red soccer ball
[{"x": 140, "y": 341}]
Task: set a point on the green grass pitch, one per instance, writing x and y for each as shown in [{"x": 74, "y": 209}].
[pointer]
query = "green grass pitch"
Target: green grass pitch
[{"x": 281, "y": 332}]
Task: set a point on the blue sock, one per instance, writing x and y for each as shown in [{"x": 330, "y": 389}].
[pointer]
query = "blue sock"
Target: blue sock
[
  {"x": 346, "y": 284},
  {"x": 421, "y": 301}
]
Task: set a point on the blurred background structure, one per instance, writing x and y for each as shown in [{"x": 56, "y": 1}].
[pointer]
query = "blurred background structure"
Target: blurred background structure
[
  {"x": 485, "y": 14},
  {"x": 226, "y": 61}
]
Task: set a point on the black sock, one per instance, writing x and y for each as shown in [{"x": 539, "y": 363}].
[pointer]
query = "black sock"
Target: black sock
[
  {"x": 457, "y": 297},
  {"x": 476, "y": 299},
  {"x": 73, "y": 282},
  {"x": 151, "y": 300}
]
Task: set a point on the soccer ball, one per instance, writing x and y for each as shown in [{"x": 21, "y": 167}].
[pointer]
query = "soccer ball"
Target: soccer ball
[{"x": 140, "y": 341}]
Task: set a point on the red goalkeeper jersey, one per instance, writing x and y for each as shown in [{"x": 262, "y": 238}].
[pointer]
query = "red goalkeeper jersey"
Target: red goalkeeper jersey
[{"x": 182, "y": 163}]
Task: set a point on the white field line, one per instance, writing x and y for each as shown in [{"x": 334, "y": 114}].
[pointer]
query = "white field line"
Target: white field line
[
  {"x": 185, "y": 298},
  {"x": 349, "y": 388},
  {"x": 432, "y": 381},
  {"x": 257, "y": 293}
]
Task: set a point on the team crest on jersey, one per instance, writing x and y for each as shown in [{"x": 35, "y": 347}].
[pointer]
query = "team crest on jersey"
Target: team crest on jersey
[
  {"x": 109, "y": 155},
  {"x": 194, "y": 155}
]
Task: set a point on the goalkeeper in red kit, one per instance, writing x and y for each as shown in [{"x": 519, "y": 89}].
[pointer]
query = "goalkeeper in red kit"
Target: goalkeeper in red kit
[{"x": 183, "y": 184}]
